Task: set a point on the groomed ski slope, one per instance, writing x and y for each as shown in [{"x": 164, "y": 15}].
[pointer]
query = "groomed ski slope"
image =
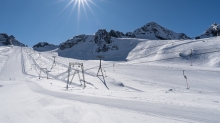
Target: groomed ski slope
[{"x": 148, "y": 87}]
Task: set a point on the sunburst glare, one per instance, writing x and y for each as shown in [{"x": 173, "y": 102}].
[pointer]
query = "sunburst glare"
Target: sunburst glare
[{"x": 85, "y": 4}]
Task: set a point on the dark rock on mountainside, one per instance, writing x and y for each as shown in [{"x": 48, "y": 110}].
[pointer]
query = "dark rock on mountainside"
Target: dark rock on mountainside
[
  {"x": 44, "y": 46},
  {"x": 71, "y": 42},
  {"x": 9, "y": 40},
  {"x": 102, "y": 40},
  {"x": 130, "y": 35},
  {"x": 40, "y": 44},
  {"x": 116, "y": 34},
  {"x": 213, "y": 30}
]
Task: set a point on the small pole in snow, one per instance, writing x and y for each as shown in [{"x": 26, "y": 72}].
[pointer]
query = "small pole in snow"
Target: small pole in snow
[
  {"x": 47, "y": 73},
  {"x": 54, "y": 61},
  {"x": 40, "y": 73},
  {"x": 191, "y": 56},
  {"x": 187, "y": 87},
  {"x": 67, "y": 83},
  {"x": 39, "y": 55},
  {"x": 114, "y": 66}
]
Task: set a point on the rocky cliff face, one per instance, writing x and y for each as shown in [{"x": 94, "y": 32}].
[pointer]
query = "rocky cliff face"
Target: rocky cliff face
[
  {"x": 213, "y": 30},
  {"x": 9, "y": 40},
  {"x": 102, "y": 39},
  {"x": 116, "y": 34},
  {"x": 42, "y": 44},
  {"x": 71, "y": 42}
]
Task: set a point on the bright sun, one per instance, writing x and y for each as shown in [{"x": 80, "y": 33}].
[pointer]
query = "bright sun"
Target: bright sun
[
  {"x": 85, "y": 4},
  {"x": 79, "y": 4}
]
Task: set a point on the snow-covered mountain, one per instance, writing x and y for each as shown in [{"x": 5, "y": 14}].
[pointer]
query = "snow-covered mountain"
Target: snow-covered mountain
[
  {"x": 154, "y": 31},
  {"x": 151, "y": 31},
  {"x": 117, "y": 34},
  {"x": 9, "y": 40},
  {"x": 213, "y": 30},
  {"x": 44, "y": 46},
  {"x": 103, "y": 41}
]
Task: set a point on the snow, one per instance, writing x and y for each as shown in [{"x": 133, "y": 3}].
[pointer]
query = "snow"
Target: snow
[{"x": 144, "y": 77}]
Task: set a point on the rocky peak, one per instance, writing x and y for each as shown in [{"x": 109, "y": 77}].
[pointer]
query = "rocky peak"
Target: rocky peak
[
  {"x": 153, "y": 29},
  {"x": 130, "y": 35},
  {"x": 71, "y": 42},
  {"x": 213, "y": 30},
  {"x": 41, "y": 44},
  {"x": 102, "y": 36},
  {"x": 9, "y": 40},
  {"x": 116, "y": 34}
]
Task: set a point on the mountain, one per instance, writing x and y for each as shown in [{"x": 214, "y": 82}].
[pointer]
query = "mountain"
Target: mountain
[
  {"x": 104, "y": 40},
  {"x": 101, "y": 41},
  {"x": 44, "y": 46},
  {"x": 213, "y": 30},
  {"x": 154, "y": 31},
  {"x": 9, "y": 40},
  {"x": 117, "y": 34},
  {"x": 151, "y": 31}
]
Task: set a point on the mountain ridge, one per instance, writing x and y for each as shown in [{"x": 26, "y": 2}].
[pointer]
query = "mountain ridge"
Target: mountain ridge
[
  {"x": 103, "y": 39},
  {"x": 5, "y": 39},
  {"x": 212, "y": 31}
]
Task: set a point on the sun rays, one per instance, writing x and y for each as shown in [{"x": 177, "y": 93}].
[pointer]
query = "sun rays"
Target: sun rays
[{"x": 79, "y": 5}]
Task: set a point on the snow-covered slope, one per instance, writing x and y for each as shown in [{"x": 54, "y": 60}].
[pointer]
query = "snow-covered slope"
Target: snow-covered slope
[
  {"x": 213, "y": 30},
  {"x": 150, "y": 86},
  {"x": 92, "y": 45},
  {"x": 9, "y": 40},
  {"x": 97, "y": 45},
  {"x": 44, "y": 46},
  {"x": 132, "y": 49}
]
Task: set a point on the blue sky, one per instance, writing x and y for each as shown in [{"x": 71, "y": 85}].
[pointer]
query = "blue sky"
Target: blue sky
[{"x": 33, "y": 21}]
